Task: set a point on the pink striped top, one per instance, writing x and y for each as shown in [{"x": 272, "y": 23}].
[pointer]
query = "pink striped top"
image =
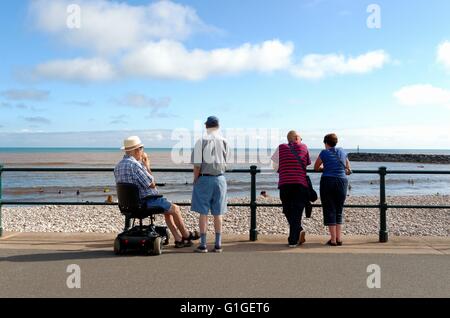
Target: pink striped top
[{"x": 289, "y": 169}]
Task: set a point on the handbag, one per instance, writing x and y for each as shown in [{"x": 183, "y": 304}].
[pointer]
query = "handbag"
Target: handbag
[{"x": 312, "y": 194}]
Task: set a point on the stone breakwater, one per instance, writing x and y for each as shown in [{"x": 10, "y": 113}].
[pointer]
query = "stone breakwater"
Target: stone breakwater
[
  {"x": 270, "y": 220},
  {"x": 386, "y": 157}
]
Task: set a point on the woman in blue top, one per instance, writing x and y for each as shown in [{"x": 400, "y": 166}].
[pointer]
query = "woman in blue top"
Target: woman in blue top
[{"x": 333, "y": 186}]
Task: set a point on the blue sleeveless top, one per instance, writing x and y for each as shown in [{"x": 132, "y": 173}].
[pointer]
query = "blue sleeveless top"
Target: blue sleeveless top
[{"x": 334, "y": 160}]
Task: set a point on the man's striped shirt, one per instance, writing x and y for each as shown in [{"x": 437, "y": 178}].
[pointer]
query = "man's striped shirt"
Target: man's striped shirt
[{"x": 289, "y": 169}]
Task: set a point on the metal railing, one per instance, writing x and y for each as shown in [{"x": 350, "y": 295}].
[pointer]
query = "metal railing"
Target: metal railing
[{"x": 383, "y": 206}]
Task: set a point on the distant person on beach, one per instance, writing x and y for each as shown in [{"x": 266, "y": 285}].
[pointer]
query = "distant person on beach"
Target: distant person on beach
[
  {"x": 334, "y": 164},
  {"x": 133, "y": 169},
  {"x": 209, "y": 158},
  {"x": 264, "y": 194},
  {"x": 290, "y": 161}
]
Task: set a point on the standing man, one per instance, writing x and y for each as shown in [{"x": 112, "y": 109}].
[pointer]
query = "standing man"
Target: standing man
[
  {"x": 210, "y": 186},
  {"x": 290, "y": 161}
]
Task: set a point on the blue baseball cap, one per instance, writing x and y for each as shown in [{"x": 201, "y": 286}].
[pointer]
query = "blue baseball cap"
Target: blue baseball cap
[{"x": 212, "y": 121}]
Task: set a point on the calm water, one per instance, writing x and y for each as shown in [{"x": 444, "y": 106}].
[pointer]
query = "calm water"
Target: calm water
[{"x": 63, "y": 186}]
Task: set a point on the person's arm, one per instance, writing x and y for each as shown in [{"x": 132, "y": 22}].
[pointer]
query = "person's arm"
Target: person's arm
[
  {"x": 308, "y": 158},
  {"x": 318, "y": 165},
  {"x": 348, "y": 169},
  {"x": 275, "y": 166},
  {"x": 196, "y": 173},
  {"x": 196, "y": 159},
  {"x": 144, "y": 178},
  {"x": 227, "y": 154},
  {"x": 146, "y": 162},
  {"x": 276, "y": 159}
]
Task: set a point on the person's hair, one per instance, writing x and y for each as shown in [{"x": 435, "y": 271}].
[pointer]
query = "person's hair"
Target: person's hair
[
  {"x": 212, "y": 126},
  {"x": 291, "y": 135},
  {"x": 331, "y": 140}
]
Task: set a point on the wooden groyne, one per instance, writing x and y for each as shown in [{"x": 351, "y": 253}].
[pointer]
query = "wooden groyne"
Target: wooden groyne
[{"x": 387, "y": 157}]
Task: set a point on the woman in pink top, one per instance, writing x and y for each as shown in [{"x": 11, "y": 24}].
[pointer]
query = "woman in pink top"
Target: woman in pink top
[{"x": 290, "y": 161}]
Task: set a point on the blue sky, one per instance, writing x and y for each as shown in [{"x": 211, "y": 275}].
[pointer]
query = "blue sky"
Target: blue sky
[{"x": 311, "y": 65}]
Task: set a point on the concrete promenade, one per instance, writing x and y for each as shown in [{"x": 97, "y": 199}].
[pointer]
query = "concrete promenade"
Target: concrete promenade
[{"x": 35, "y": 265}]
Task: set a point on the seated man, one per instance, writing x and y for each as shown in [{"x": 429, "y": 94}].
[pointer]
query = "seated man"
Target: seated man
[{"x": 135, "y": 168}]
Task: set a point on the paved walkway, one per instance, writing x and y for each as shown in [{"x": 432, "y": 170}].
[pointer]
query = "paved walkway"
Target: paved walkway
[
  {"x": 237, "y": 243},
  {"x": 35, "y": 265}
]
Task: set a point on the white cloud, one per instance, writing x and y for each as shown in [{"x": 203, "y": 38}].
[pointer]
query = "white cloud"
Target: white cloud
[
  {"x": 156, "y": 106},
  {"x": 443, "y": 54},
  {"x": 38, "y": 120},
  {"x": 25, "y": 94},
  {"x": 112, "y": 138},
  {"x": 147, "y": 41},
  {"x": 423, "y": 95},
  {"x": 79, "y": 69},
  {"x": 316, "y": 66},
  {"x": 171, "y": 60},
  {"x": 381, "y": 137},
  {"x": 118, "y": 120},
  {"x": 83, "y": 103},
  {"x": 430, "y": 137},
  {"x": 109, "y": 26},
  {"x": 142, "y": 101}
]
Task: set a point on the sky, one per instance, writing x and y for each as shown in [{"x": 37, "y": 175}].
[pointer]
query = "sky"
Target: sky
[{"x": 89, "y": 73}]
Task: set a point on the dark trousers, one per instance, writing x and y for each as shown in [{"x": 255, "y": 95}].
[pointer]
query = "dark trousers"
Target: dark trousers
[
  {"x": 294, "y": 198},
  {"x": 333, "y": 192}
]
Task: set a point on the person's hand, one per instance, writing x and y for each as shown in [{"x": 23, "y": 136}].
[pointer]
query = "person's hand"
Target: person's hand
[
  {"x": 145, "y": 159},
  {"x": 348, "y": 171},
  {"x": 146, "y": 162},
  {"x": 195, "y": 180}
]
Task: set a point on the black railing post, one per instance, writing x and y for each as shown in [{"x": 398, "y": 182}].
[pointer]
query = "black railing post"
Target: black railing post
[
  {"x": 253, "y": 230},
  {"x": 1, "y": 226},
  {"x": 383, "y": 236}
]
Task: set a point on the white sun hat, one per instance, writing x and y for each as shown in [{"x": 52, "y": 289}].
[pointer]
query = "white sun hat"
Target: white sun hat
[{"x": 132, "y": 143}]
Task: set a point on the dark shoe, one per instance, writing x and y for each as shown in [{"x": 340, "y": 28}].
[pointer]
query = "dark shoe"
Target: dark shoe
[
  {"x": 183, "y": 243},
  {"x": 302, "y": 237},
  {"x": 339, "y": 243},
  {"x": 201, "y": 249},
  {"x": 179, "y": 244},
  {"x": 331, "y": 243},
  {"x": 187, "y": 241},
  {"x": 193, "y": 236},
  {"x": 217, "y": 249}
]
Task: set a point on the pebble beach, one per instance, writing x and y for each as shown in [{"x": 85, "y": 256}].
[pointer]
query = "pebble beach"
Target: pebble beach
[{"x": 270, "y": 220}]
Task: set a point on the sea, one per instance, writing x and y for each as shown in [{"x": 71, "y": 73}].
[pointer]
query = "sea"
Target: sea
[{"x": 97, "y": 186}]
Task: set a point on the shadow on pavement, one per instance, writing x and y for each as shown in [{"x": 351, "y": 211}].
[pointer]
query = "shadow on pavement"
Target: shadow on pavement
[{"x": 58, "y": 256}]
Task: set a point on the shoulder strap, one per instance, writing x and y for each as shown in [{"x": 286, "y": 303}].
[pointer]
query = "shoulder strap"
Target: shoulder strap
[
  {"x": 339, "y": 159},
  {"x": 297, "y": 156}
]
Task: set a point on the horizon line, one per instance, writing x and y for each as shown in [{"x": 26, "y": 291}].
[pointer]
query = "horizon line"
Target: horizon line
[{"x": 118, "y": 148}]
